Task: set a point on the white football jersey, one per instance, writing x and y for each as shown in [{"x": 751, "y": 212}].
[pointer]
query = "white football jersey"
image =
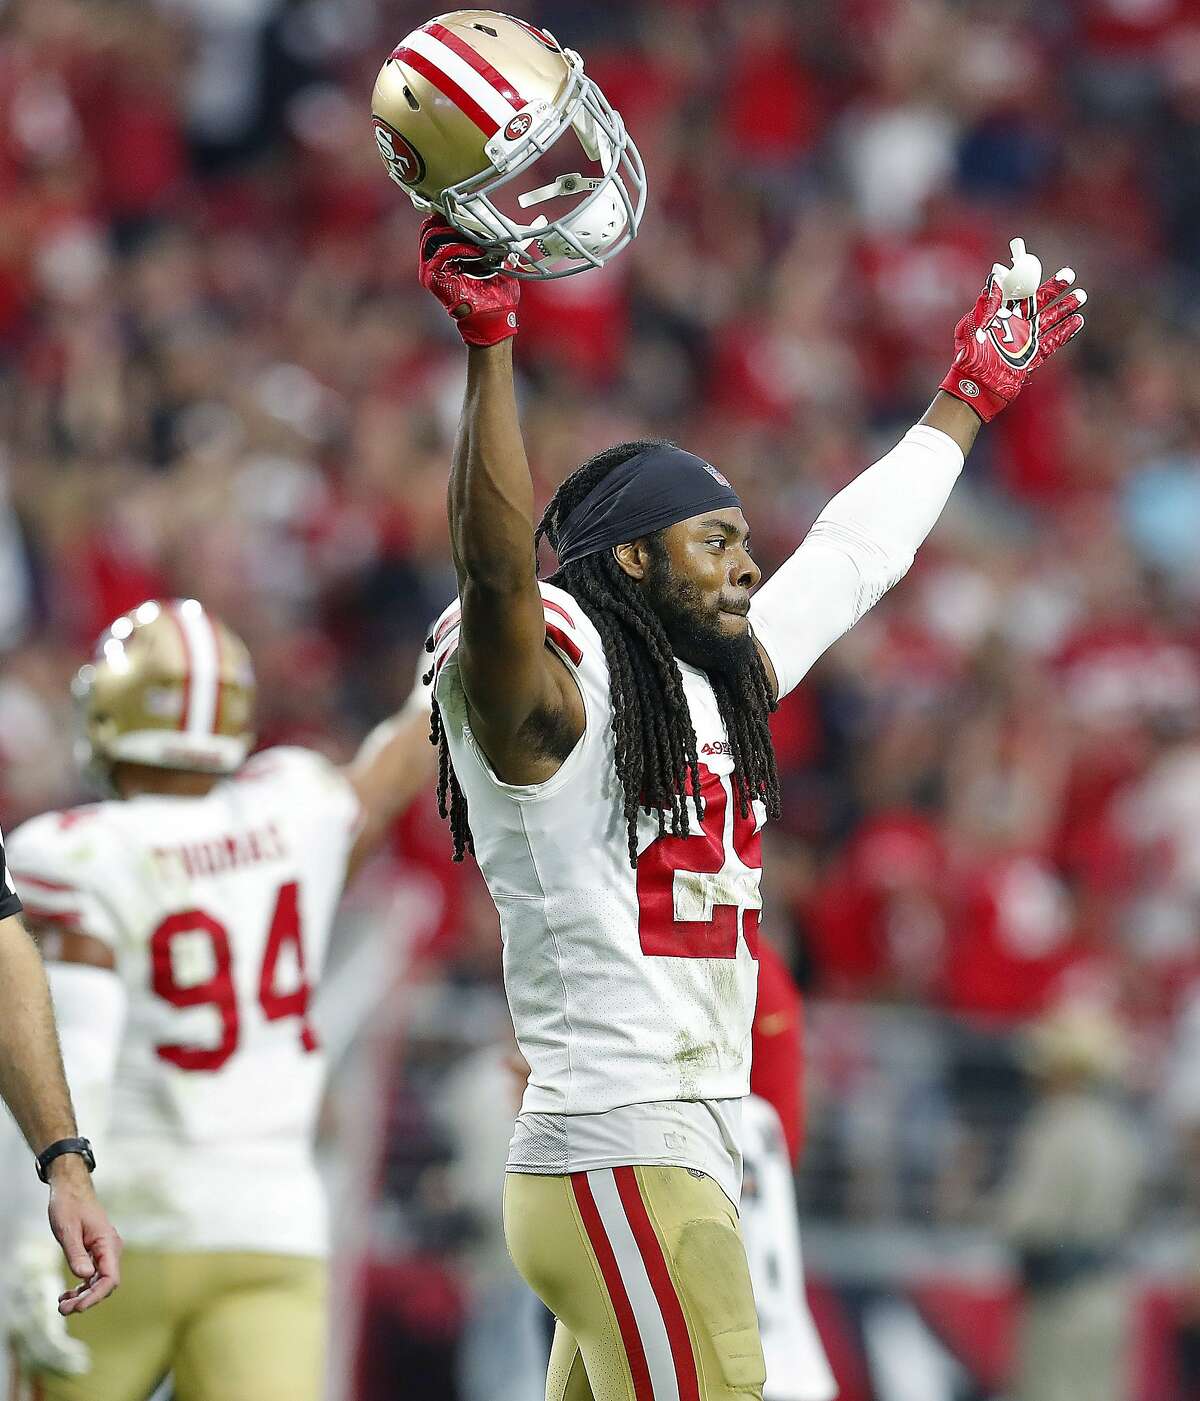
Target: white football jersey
[
  {"x": 797, "y": 1368},
  {"x": 626, "y": 986},
  {"x": 218, "y": 912}
]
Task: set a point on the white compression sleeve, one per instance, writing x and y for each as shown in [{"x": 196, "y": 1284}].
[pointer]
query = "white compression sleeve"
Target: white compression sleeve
[
  {"x": 89, "y": 1008},
  {"x": 862, "y": 543}
]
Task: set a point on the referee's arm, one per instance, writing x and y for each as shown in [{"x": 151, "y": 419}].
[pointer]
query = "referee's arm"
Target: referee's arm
[
  {"x": 34, "y": 1087},
  {"x": 32, "y": 1082}
]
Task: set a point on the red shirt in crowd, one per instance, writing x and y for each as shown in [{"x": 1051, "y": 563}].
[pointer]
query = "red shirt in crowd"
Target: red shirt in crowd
[{"x": 778, "y": 1046}]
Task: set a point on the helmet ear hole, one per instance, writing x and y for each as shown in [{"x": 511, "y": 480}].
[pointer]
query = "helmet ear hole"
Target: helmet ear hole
[{"x": 410, "y": 99}]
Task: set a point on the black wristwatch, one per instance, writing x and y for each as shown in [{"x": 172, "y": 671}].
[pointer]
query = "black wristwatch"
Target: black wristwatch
[{"x": 60, "y": 1149}]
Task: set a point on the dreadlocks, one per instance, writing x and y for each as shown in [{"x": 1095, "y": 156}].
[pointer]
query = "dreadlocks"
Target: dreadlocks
[{"x": 655, "y": 742}]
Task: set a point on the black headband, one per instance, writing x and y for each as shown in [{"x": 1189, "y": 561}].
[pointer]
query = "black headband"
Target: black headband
[{"x": 653, "y": 489}]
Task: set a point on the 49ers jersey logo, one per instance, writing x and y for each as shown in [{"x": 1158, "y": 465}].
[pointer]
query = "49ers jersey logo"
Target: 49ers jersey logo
[{"x": 403, "y": 160}]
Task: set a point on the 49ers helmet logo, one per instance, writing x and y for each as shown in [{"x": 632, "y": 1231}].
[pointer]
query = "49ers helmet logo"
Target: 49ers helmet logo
[
  {"x": 517, "y": 128},
  {"x": 401, "y": 157}
]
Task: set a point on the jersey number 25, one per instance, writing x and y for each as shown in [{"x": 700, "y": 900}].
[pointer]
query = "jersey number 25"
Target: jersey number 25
[{"x": 691, "y": 890}]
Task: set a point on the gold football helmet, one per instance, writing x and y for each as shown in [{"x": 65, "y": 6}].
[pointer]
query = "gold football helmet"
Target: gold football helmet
[
  {"x": 470, "y": 102},
  {"x": 168, "y": 685}
]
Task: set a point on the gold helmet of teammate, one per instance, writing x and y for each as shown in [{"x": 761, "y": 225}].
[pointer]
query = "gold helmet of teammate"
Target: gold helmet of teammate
[
  {"x": 168, "y": 685},
  {"x": 473, "y": 100}
]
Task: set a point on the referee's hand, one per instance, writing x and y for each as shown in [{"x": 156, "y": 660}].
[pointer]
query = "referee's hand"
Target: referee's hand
[{"x": 89, "y": 1241}]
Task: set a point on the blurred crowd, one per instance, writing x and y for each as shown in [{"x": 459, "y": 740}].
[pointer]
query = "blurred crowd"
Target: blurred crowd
[{"x": 218, "y": 377}]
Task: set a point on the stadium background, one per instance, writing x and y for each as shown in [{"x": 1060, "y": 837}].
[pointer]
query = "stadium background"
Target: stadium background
[{"x": 218, "y": 377}]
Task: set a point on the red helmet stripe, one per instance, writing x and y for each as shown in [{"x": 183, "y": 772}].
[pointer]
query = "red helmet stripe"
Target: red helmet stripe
[
  {"x": 219, "y": 699},
  {"x": 476, "y": 60},
  {"x": 448, "y": 88},
  {"x": 200, "y": 645},
  {"x": 185, "y": 709}
]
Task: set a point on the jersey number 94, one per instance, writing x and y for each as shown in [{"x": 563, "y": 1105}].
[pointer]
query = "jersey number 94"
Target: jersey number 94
[{"x": 219, "y": 991}]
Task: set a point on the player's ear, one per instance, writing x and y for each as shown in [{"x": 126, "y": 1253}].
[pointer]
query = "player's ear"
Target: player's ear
[{"x": 634, "y": 558}]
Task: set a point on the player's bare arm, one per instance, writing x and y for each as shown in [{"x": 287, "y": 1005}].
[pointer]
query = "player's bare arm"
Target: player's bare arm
[
  {"x": 525, "y": 708},
  {"x": 517, "y": 689},
  {"x": 34, "y": 1086},
  {"x": 31, "y": 1075},
  {"x": 393, "y": 764},
  {"x": 954, "y": 418}
]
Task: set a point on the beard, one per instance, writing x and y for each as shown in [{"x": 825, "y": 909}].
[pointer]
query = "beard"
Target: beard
[{"x": 692, "y": 626}]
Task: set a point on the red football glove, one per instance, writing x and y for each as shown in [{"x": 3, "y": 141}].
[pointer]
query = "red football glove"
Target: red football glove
[
  {"x": 481, "y": 299},
  {"x": 999, "y": 346}
]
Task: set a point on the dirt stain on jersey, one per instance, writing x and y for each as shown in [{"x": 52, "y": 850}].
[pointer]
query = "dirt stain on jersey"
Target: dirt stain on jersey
[
  {"x": 691, "y": 1058},
  {"x": 727, "y": 1016}
]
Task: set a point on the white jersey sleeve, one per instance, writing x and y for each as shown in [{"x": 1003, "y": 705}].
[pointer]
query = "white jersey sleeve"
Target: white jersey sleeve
[
  {"x": 862, "y": 543},
  {"x": 62, "y": 863}
]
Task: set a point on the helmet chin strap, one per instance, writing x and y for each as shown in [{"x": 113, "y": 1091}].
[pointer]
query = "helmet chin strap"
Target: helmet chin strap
[
  {"x": 596, "y": 147},
  {"x": 564, "y": 185}
]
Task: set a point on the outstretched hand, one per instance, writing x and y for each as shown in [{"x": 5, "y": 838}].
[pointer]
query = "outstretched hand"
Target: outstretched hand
[
  {"x": 478, "y": 294},
  {"x": 998, "y": 345}
]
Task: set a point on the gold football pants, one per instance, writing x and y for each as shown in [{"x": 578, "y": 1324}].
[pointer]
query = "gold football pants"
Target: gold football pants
[
  {"x": 228, "y": 1327},
  {"x": 645, "y": 1272}
]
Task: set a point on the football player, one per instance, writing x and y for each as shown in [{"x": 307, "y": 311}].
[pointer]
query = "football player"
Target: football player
[
  {"x": 606, "y": 754},
  {"x": 185, "y": 924}
]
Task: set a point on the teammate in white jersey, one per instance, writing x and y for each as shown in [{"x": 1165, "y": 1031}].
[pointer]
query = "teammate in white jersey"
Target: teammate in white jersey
[
  {"x": 185, "y": 925},
  {"x": 606, "y": 753}
]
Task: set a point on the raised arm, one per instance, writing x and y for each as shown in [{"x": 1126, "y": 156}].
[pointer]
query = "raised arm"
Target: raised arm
[
  {"x": 393, "y": 764},
  {"x": 864, "y": 541},
  {"x": 518, "y": 693}
]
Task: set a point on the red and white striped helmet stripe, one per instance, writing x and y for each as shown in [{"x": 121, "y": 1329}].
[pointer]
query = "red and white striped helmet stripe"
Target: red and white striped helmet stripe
[
  {"x": 461, "y": 74},
  {"x": 202, "y": 680}
]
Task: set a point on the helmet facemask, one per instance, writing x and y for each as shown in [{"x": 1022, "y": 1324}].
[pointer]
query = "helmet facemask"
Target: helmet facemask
[{"x": 604, "y": 209}]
